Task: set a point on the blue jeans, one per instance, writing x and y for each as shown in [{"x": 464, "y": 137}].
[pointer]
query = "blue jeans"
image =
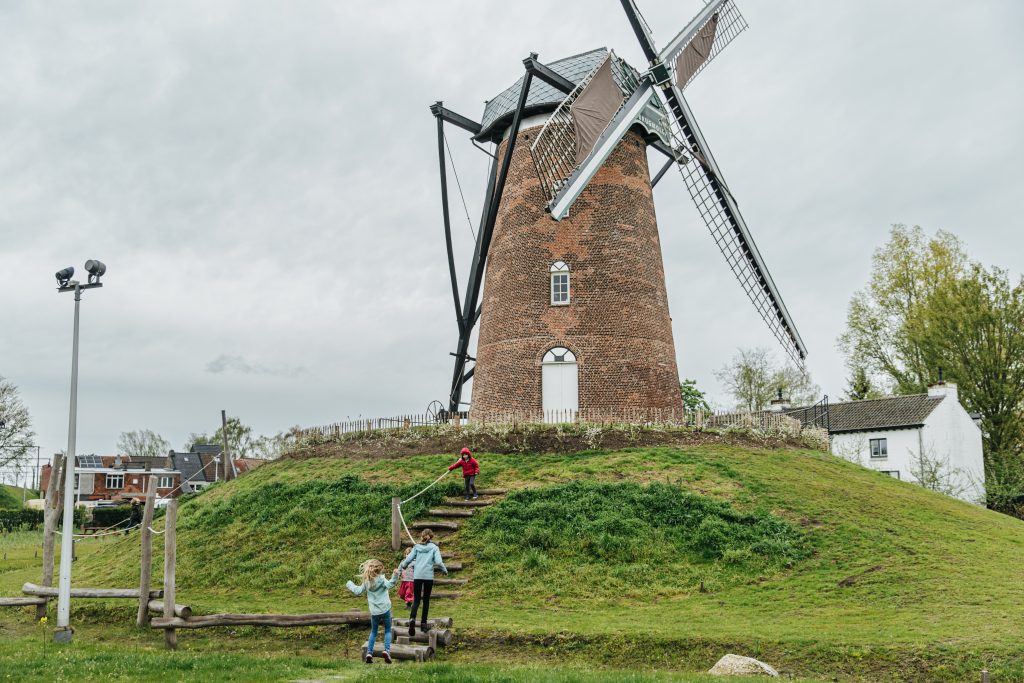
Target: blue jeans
[{"x": 377, "y": 619}]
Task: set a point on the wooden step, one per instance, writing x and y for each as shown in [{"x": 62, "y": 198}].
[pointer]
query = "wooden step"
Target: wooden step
[
  {"x": 449, "y": 582},
  {"x": 435, "y": 637},
  {"x": 444, "y": 596},
  {"x": 450, "y": 513},
  {"x": 452, "y": 567},
  {"x": 419, "y": 653},
  {"x": 492, "y": 492},
  {"x": 435, "y": 526},
  {"x": 460, "y": 503},
  {"x": 435, "y": 622},
  {"x": 438, "y": 536}
]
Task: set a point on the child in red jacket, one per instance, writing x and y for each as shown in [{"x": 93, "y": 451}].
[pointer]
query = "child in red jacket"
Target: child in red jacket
[{"x": 470, "y": 468}]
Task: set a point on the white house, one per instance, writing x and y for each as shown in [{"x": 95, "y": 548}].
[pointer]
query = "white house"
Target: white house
[{"x": 922, "y": 436}]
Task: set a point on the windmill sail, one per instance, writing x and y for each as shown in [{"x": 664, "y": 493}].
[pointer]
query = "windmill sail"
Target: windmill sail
[
  {"x": 704, "y": 37},
  {"x": 584, "y": 129}
]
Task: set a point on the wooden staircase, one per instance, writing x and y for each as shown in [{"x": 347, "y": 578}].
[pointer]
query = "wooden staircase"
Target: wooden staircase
[{"x": 444, "y": 522}]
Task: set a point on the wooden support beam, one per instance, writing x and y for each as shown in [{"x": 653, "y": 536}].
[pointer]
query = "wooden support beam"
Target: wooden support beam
[
  {"x": 436, "y": 622},
  {"x": 283, "y": 620},
  {"x": 51, "y": 592},
  {"x": 51, "y": 513},
  {"x": 435, "y": 637},
  {"x": 146, "y": 553},
  {"x": 20, "y": 602},
  {"x": 417, "y": 653},
  {"x": 170, "y": 562},
  {"x": 396, "y": 524}
]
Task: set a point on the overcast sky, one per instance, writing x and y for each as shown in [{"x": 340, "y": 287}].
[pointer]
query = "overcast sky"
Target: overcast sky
[{"x": 261, "y": 179}]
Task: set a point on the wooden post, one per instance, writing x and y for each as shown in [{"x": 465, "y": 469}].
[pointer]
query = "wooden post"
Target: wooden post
[
  {"x": 396, "y": 524},
  {"x": 52, "y": 512},
  {"x": 146, "y": 555},
  {"x": 226, "y": 455},
  {"x": 170, "y": 562}
]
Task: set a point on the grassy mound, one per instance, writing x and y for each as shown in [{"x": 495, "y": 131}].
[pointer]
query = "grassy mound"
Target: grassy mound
[
  {"x": 7, "y": 498},
  {"x": 664, "y": 556}
]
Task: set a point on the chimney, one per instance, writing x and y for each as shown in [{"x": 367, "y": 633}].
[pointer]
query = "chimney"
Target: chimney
[
  {"x": 943, "y": 388},
  {"x": 779, "y": 403}
]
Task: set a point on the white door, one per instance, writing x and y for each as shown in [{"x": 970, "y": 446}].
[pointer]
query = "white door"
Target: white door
[{"x": 560, "y": 385}]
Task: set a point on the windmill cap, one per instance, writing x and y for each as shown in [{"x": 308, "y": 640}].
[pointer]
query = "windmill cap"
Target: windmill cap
[{"x": 465, "y": 451}]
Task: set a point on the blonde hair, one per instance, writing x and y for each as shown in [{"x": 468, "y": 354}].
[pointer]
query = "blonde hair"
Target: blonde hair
[
  {"x": 426, "y": 535},
  {"x": 369, "y": 571}
]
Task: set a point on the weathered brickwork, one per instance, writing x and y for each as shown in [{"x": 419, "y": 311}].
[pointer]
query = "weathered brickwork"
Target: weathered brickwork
[{"x": 617, "y": 323}]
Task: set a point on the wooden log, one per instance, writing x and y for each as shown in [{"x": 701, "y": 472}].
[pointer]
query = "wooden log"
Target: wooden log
[
  {"x": 283, "y": 620},
  {"x": 435, "y": 525},
  {"x": 20, "y": 602},
  {"x": 170, "y": 561},
  {"x": 51, "y": 592},
  {"x": 435, "y": 637},
  {"x": 451, "y": 513},
  {"x": 444, "y": 596},
  {"x": 460, "y": 503},
  {"x": 182, "y": 611},
  {"x": 146, "y": 553},
  {"x": 52, "y": 511},
  {"x": 417, "y": 653},
  {"x": 450, "y": 582},
  {"x": 452, "y": 566},
  {"x": 492, "y": 492},
  {"x": 436, "y": 622}
]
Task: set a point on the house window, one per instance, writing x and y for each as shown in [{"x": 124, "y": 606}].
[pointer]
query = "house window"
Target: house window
[
  {"x": 559, "y": 284},
  {"x": 895, "y": 474},
  {"x": 166, "y": 482},
  {"x": 879, "y": 448},
  {"x": 114, "y": 481}
]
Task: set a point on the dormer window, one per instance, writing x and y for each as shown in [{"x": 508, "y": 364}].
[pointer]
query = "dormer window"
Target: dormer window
[{"x": 559, "y": 283}]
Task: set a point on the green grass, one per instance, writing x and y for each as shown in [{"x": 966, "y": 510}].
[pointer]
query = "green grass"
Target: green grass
[
  {"x": 818, "y": 566},
  {"x": 10, "y": 497}
]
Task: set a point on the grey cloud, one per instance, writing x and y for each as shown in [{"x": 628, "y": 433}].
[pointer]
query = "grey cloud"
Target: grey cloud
[{"x": 226, "y": 363}]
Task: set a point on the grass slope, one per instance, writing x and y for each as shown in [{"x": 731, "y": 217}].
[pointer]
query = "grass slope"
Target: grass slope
[{"x": 820, "y": 566}]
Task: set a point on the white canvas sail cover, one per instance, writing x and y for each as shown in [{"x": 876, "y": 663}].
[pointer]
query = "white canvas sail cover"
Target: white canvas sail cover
[
  {"x": 696, "y": 53},
  {"x": 594, "y": 108}
]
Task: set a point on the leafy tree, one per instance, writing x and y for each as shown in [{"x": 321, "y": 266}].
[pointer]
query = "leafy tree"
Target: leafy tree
[
  {"x": 859, "y": 386},
  {"x": 15, "y": 426},
  {"x": 240, "y": 439},
  {"x": 904, "y": 274},
  {"x": 142, "y": 443},
  {"x": 694, "y": 399},
  {"x": 754, "y": 377}
]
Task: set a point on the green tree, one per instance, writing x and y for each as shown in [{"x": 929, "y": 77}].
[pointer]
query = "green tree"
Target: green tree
[
  {"x": 16, "y": 433},
  {"x": 142, "y": 443},
  {"x": 904, "y": 274},
  {"x": 693, "y": 398},
  {"x": 754, "y": 377},
  {"x": 859, "y": 387}
]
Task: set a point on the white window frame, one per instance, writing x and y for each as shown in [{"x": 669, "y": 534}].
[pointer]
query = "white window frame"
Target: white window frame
[
  {"x": 166, "y": 482},
  {"x": 559, "y": 354},
  {"x": 883, "y": 447},
  {"x": 113, "y": 477},
  {"x": 558, "y": 270}
]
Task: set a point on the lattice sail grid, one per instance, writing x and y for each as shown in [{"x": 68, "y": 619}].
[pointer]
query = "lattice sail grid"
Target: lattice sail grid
[
  {"x": 730, "y": 24},
  {"x": 554, "y": 150},
  {"x": 738, "y": 255}
]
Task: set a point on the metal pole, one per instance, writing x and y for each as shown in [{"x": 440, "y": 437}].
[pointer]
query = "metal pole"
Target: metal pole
[{"x": 63, "y": 633}]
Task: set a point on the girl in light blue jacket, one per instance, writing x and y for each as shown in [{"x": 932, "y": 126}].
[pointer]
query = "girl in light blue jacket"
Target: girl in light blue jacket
[
  {"x": 423, "y": 557},
  {"x": 376, "y": 588}
]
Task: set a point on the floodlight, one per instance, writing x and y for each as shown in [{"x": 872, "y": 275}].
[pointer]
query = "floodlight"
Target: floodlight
[
  {"x": 96, "y": 269},
  {"x": 64, "y": 276}
]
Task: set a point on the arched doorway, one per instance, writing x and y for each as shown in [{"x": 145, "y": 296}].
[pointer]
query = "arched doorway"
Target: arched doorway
[{"x": 560, "y": 385}]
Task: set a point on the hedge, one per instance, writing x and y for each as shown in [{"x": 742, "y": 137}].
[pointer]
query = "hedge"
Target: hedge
[
  {"x": 10, "y": 520},
  {"x": 110, "y": 516}
]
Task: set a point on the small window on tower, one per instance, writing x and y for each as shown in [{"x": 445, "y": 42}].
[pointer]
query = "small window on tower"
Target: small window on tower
[{"x": 559, "y": 284}]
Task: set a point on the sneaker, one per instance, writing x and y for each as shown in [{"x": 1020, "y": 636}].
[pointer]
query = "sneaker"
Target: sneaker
[
  {"x": 387, "y": 657},
  {"x": 467, "y": 497},
  {"x": 412, "y": 630},
  {"x": 369, "y": 659},
  {"x": 475, "y": 496},
  {"x": 424, "y": 626}
]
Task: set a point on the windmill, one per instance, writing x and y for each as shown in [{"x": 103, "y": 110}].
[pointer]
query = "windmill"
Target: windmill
[{"x": 568, "y": 211}]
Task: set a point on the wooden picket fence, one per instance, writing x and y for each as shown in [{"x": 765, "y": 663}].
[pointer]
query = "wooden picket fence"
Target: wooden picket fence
[{"x": 664, "y": 417}]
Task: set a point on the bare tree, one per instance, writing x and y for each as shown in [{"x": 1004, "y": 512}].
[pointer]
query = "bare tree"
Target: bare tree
[
  {"x": 142, "y": 443},
  {"x": 934, "y": 472},
  {"x": 754, "y": 377},
  {"x": 15, "y": 427}
]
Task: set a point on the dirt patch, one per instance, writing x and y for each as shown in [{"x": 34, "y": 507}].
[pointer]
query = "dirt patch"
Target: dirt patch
[{"x": 852, "y": 579}]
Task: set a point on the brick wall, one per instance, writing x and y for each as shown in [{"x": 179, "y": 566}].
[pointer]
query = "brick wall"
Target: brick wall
[{"x": 617, "y": 323}]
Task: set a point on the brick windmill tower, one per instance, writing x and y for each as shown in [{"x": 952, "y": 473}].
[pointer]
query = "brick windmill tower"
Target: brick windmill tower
[{"x": 574, "y": 312}]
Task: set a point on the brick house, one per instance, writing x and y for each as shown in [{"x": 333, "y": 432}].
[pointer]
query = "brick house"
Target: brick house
[{"x": 119, "y": 478}]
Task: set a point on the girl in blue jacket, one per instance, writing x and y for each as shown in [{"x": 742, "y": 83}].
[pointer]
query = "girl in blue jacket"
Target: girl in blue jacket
[
  {"x": 376, "y": 588},
  {"x": 423, "y": 557}
]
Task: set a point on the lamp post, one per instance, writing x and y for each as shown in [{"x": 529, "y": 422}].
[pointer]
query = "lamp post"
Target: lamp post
[{"x": 96, "y": 269}]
